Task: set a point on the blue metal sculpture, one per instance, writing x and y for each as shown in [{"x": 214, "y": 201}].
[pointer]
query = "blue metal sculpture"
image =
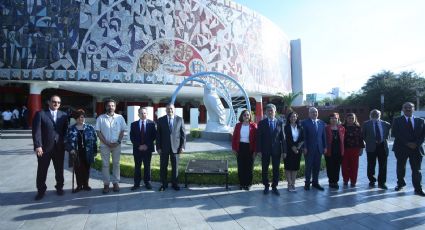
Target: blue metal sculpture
[{"x": 225, "y": 87}]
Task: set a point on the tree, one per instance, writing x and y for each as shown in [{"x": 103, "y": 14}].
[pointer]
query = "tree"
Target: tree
[
  {"x": 396, "y": 89},
  {"x": 288, "y": 99}
]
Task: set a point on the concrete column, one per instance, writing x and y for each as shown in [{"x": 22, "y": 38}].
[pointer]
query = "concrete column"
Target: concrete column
[
  {"x": 296, "y": 71},
  {"x": 155, "y": 105},
  {"x": 34, "y": 99},
  {"x": 99, "y": 106},
  {"x": 258, "y": 108}
]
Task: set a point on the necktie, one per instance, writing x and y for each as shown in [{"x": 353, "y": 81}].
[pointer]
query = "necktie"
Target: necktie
[
  {"x": 142, "y": 133},
  {"x": 378, "y": 136},
  {"x": 271, "y": 124},
  {"x": 54, "y": 116},
  {"x": 409, "y": 124},
  {"x": 170, "y": 123},
  {"x": 315, "y": 124}
]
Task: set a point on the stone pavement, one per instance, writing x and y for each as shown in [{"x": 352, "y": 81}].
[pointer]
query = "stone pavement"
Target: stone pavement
[{"x": 198, "y": 207}]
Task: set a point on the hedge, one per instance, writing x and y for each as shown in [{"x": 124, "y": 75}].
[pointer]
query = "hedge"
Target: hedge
[{"x": 127, "y": 168}]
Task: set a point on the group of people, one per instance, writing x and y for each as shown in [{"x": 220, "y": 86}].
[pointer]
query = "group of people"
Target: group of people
[
  {"x": 273, "y": 139},
  {"x": 341, "y": 144},
  {"x": 52, "y": 136},
  {"x": 16, "y": 118}
]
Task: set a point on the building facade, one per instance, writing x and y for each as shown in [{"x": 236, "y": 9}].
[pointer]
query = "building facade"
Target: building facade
[{"x": 140, "y": 50}]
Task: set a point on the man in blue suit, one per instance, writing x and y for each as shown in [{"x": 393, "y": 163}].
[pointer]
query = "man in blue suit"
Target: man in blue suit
[
  {"x": 409, "y": 134},
  {"x": 48, "y": 130},
  {"x": 270, "y": 144},
  {"x": 315, "y": 146},
  {"x": 142, "y": 135}
]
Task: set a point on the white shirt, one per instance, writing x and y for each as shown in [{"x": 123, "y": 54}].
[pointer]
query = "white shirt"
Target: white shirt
[
  {"x": 110, "y": 126},
  {"x": 295, "y": 133},
  {"x": 15, "y": 114},
  {"x": 7, "y": 115},
  {"x": 244, "y": 134}
]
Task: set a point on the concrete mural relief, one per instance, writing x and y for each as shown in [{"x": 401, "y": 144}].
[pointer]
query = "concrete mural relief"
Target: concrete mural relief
[{"x": 141, "y": 41}]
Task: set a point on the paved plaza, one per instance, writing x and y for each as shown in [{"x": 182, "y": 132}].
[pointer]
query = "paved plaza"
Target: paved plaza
[{"x": 198, "y": 207}]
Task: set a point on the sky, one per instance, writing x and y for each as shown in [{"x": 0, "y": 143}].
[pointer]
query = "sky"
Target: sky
[{"x": 344, "y": 42}]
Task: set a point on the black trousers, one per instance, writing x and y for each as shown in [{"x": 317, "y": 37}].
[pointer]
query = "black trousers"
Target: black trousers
[
  {"x": 57, "y": 156},
  {"x": 139, "y": 158},
  {"x": 245, "y": 161},
  {"x": 164, "y": 158},
  {"x": 265, "y": 162},
  {"x": 381, "y": 155},
  {"x": 415, "y": 160},
  {"x": 333, "y": 167},
  {"x": 82, "y": 170}
]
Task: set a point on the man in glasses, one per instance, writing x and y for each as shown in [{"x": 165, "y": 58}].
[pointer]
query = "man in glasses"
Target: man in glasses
[{"x": 48, "y": 130}]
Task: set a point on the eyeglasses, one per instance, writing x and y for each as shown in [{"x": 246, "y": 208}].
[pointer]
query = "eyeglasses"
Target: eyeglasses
[{"x": 56, "y": 102}]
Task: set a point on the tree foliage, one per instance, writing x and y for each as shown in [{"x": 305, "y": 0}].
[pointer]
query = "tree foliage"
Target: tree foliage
[
  {"x": 396, "y": 88},
  {"x": 288, "y": 99}
]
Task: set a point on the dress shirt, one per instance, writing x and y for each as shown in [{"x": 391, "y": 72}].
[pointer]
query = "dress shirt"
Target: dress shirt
[
  {"x": 140, "y": 124},
  {"x": 295, "y": 133},
  {"x": 380, "y": 128},
  {"x": 412, "y": 119},
  {"x": 110, "y": 126},
  {"x": 54, "y": 114}
]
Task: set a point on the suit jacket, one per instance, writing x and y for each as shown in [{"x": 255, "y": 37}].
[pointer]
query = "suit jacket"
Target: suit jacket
[
  {"x": 314, "y": 140},
  {"x": 237, "y": 136},
  {"x": 329, "y": 139},
  {"x": 369, "y": 136},
  {"x": 149, "y": 136},
  {"x": 167, "y": 139},
  {"x": 403, "y": 135},
  {"x": 269, "y": 142},
  {"x": 46, "y": 132},
  {"x": 299, "y": 143}
]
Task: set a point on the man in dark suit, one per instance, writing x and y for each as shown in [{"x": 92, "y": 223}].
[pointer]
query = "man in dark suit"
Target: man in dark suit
[
  {"x": 409, "y": 133},
  {"x": 170, "y": 142},
  {"x": 48, "y": 131},
  {"x": 375, "y": 133},
  {"x": 315, "y": 146},
  {"x": 270, "y": 144},
  {"x": 142, "y": 135}
]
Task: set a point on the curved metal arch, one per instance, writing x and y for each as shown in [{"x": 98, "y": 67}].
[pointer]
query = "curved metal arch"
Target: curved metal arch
[{"x": 223, "y": 92}]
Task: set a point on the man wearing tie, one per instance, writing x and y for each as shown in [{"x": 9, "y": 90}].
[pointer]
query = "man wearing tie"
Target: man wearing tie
[
  {"x": 375, "y": 133},
  {"x": 170, "y": 142},
  {"x": 315, "y": 146},
  {"x": 48, "y": 131},
  {"x": 142, "y": 135},
  {"x": 409, "y": 133},
  {"x": 270, "y": 144}
]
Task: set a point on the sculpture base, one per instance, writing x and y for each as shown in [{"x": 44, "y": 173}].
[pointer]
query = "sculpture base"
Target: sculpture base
[{"x": 216, "y": 136}]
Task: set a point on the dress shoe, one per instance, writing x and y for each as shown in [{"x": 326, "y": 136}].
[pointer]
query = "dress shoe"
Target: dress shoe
[
  {"x": 306, "y": 187},
  {"x": 382, "y": 186},
  {"x": 116, "y": 187},
  {"x": 135, "y": 187},
  {"x": 266, "y": 190},
  {"x": 87, "y": 188},
  {"x": 345, "y": 184},
  {"x": 79, "y": 188},
  {"x": 275, "y": 191},
  {"x": 148, "y": 186},
  {"x": 398, "y": 188},
  {"x": 60, "y": 192},
  {"x": 39, "y": 196},
  {"x": 105, "y": 189},
  {"x": 352, "y": 185},
  {"x": 371, "y": 184},
  {"x": 176, "y": 187},
  {"x": 318, "y": 187},
  {"x": 162, "y": 188},
  {"x": 419, "y": 192},
  {"x": 333, "y": 185},
  {"x": 241, "y": 187}
]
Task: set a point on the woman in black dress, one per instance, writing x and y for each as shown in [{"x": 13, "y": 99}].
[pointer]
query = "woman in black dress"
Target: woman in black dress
[{"x": 294, "y": 141}]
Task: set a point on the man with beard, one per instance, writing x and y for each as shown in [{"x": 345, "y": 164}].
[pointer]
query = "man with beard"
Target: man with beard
[{"x": 110, "y": 130}]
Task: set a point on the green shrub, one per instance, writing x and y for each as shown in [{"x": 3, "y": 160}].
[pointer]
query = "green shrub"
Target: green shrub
[
  {"x": 195, "y": 133},
  {"x": 127, "y": 168}
]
